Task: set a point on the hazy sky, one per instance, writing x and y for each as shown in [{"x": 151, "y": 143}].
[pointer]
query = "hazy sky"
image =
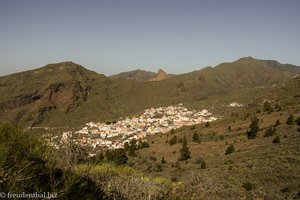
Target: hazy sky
[{"x": 175, "y": 35}]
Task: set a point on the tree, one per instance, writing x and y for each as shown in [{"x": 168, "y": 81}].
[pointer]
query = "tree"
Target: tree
[
  {"x": 269, "y": 132},
  {"x": 173, "y": 140},
  {"x": 298, "y": 121},
  {"x": 290, "y": 120},
  {"x": 119, "y": 156},
  {"x": 184, "y": 151},
  {"x": 207, "y": 124},
  {"x": 109, "y": 155},
  {"x": 276, "y": 140},
  {"x": 229, "y": 150},
  {"x": 277, "y": 123},
  {"x": 254, "y": 128},
  {"x": 126, "y": 146},
  {"x": 163, "y": 160},
  {"x": 132, "y": 147},
  {"x": 196, "y": 137}
]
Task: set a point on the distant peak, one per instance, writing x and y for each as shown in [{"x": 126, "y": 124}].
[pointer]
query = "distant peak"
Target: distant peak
[{"x": 160, "y": 71}]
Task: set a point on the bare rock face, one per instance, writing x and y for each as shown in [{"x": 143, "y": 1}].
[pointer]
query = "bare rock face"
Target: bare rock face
[{"x": 160, "y": 75}]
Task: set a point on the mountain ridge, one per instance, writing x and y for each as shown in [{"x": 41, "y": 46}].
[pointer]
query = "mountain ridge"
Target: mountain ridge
[{"x": 68, "y": 94}]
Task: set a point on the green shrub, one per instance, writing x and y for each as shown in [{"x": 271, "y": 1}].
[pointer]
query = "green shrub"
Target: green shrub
[
  {"x": 276, "y": 140},
  {"x": 248, "y": 186},
  {"x": 184, "y": 151},
  {"x": 163, "y": 160},
  {"x": 270, "y": 131},
  {"x": 173, "y": 140},
  {"x": 277, "y": 123},
  {"x": 254, "y": 128},
  {"x": 298, "y": 121},
  {"x": 290, "y": 120},
  {"x": 195, "y": 137},
  {"x": 229, "y": 150}
]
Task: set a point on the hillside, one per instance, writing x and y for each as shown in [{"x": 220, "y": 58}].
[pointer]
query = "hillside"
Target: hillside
[
  {"x": 66, "y": 94},
  {"x": 136, "y": 75},
  {"x": 142, "y": 75},
  {"x": 286, "y": 67}
]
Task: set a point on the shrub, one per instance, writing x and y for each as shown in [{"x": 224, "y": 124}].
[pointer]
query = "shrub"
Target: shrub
[
  {"x": 163, "y": 160},
  {"x": 229, "y": 150},
  {"x": 248, "y": 186},
  {"x": 298, "y": 121},
  {"x": 173, "y": 140},
  {"x": 195, "y": 137},
  {"x": 277, "y": 123},
  {"x": 207, "y": 124},
  {"x": 193, "y": 127},
  {"x": 276, "y": 140},
  {"x": 290, "y": 120},
  {"x": 120, "y": 157},
  {"x": 229, "y": 128},
  {"x": 269, "y": 132},
  {"x": 254, "y": 128},
  {"x": 184, "y": 151}
]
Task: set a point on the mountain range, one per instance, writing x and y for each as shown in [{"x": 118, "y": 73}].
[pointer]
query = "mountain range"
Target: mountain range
[{"x": 67, "y": 94}]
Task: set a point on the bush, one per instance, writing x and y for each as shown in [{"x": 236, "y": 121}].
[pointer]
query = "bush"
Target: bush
[
  {"x": 269, "y": 132},
  {"x": 163, "y": 160},
  {"x": 207, "y": 124},
  {"x": 173, "y": 140},
  {"x": 298, "y": 121},
  {"x": 254, "y": 128},
  {"x": 276, "y": 140},
  {"x": 290, "y": 120},
  {"x": 193, "y": 127},
  {"x": 229, "y": 150},
  {"x": 248, "y": 186},
  {"x": 277, "y": 123},
  {"x": 184, "y": 151},
  {"x": 195, "y": 137}
]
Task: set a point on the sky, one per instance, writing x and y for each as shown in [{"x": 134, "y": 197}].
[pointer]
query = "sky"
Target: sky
[{"x": 121, "y": 35}]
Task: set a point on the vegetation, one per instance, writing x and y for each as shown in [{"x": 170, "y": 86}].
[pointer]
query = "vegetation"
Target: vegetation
[
  {"x": 248, "y": 186},
  {"x": 195, "y": 137},
  {"x": 269, "y": 132},
  {"x": 229, "y": 150},
  {"x": 290, "y": 120},
  {"x": 254, "y": 128},
  {"x": 276, "y": 139},
  {"x": 173, "y": 140},
  {"x": 184, "y": 151}
]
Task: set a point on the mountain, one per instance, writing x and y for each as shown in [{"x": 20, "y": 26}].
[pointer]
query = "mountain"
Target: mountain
[
  {"x": 67, "y": 94},
  {"x": 160, "y": 75},
  {"x": 142, "y": 75},
  {"x": 286, "y": 67},
  {"x": 137, "y": 75}
]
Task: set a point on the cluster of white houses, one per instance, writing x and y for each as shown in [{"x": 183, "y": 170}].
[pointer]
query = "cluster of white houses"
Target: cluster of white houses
[{"x": 152, "y": 121}]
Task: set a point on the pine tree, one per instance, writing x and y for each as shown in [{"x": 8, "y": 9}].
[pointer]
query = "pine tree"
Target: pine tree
[
  {"x": 276, "y": 140},
  {"x": 184, "y": 151},
  {"x": 163, "y": 160},
  {"x": 119, "y": 156},
  {"x": 254, "y": 128},
  {"x": 195, "y": 137},
  {"x": 290, "y": 120},
  {"x": 229, "y": 150}
]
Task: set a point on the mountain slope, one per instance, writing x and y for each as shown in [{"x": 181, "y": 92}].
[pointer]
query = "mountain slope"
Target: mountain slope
[
  {"x": 286, "y": 67},
  {"x": 137, "y": 75},
  {"x": 66, "y": 94}
]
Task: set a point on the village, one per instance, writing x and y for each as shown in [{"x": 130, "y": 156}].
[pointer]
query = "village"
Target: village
[{"x": 113, "y": 135}]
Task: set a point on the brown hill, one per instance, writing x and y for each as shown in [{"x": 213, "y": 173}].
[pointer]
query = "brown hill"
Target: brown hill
[
  {"x": 66, "y": 94},
  {"x": 160, "y": 75},
  {"x": 137, "y": 75}
]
